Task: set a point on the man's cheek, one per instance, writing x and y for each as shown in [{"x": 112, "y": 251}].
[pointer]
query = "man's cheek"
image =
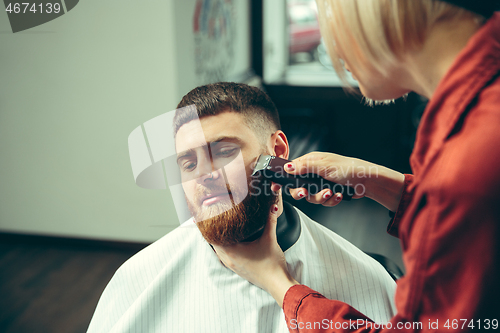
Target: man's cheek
[
  {"x": 237, "y": 178},
  {"x": 187, "y": 191}
]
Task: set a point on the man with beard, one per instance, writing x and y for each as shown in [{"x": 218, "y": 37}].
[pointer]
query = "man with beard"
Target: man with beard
[
  {"x": 214, "y": 155},
  {"x": 178, "y": 284}
]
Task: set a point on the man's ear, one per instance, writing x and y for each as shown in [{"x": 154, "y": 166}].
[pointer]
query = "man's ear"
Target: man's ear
[{"x": 279, "y": 144}]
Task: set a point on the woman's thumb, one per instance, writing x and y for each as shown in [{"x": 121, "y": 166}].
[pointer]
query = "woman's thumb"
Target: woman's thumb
[{"x": 272, "y": 221}]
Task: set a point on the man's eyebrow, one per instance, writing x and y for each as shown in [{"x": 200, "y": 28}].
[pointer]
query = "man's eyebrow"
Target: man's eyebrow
[
  {"x": 225, "y": 138},
  {"x": 184, "y": 154}
]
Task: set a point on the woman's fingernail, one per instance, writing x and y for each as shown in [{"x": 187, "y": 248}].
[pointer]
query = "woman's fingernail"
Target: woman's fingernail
[
  {"x": 301, "y": 194},
  {"x": 275, "y": 208},
  {"x": 338, "y": 197},
  {"x": 327, "y": 195},
  {"x": 290, "y": 167}
]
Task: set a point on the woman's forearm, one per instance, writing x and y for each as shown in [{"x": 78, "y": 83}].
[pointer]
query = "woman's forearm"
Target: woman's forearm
[{"x": 385, "y": 186}]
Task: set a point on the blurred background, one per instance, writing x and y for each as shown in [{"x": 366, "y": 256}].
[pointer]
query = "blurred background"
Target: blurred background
[{"x": 74, "y": 87}]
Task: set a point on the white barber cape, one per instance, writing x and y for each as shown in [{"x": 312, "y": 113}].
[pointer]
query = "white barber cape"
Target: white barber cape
[{"x": 177, "y": 284}]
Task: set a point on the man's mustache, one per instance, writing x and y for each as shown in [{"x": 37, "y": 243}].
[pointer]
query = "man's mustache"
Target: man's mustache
[{"x": 205, "y": 191}]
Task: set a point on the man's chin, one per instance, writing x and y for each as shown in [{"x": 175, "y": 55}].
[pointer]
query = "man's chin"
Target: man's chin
[
  {"x": 225, "y": 223},
  {"x": 226, "y": 229},
  {"x": 244, "y": 222},
  {"x": 207, "y": 212}
]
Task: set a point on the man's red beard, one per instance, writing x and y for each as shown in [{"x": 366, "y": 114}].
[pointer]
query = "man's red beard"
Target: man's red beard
[{"x": 224, "y": 223}]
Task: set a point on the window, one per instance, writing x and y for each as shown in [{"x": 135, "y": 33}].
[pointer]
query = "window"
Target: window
[{"x": 294, "y": 52}]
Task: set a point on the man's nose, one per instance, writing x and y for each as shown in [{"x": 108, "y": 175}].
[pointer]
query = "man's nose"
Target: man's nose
[
  {"x": 205, "y": 167},
  {"x": 211, "y": 176}
]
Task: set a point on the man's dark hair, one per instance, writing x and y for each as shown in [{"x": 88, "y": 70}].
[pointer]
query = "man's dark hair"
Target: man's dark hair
[{"x": 260, "y": 112}]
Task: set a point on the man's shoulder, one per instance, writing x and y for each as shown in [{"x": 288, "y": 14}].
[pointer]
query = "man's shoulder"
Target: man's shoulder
[
  {"x": 316, "y": 229},
  {"x": 177, "y": 245},
  {"x": 330, "y": 246},
  {"x": 151, "y": 268},
  {"x": 317, "y": 235}
]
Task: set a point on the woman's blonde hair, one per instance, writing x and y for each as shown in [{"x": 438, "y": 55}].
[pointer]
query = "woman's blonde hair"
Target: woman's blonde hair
[{"x": 372, "y": 33}]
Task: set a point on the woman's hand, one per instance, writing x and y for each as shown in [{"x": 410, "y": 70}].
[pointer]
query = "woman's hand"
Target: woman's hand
[
  {"x": 261, "y": 262},
  {"x": 367, "y": 179}
]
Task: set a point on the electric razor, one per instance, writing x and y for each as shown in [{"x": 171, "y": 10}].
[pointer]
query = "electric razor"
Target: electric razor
[{"x": 273, "y": 168}]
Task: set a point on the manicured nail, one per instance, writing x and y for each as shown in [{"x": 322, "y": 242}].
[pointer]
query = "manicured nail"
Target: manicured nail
[
  {"x": 327, "y": 195},
  {"x": 338, "y": 197},
  {"x": 290, "y": 167},
  {"x": 301, "y": 194},
  {"x": 275, "y": 209}
]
